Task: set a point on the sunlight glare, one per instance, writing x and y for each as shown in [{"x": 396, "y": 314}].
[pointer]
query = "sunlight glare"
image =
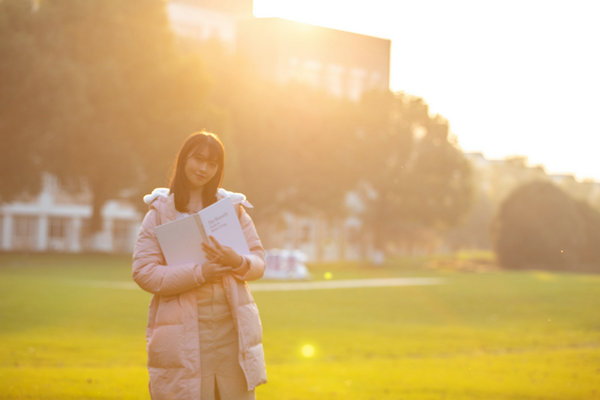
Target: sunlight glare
[
  {"x": 308, "y": 351},
  {"x": 504, "y": 91}
]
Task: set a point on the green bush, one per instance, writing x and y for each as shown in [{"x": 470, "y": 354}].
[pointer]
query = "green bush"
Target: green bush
[{"x": 540, "y": 226}]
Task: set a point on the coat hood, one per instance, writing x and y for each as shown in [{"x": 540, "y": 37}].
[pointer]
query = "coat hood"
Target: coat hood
[{"x": 236, "y": 198}]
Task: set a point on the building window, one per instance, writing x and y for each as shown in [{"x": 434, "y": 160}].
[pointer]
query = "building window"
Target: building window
[
  {"x": 356, "y": 83},
  {"x": 335, "y": 79},
  {"x": 85, "y": 234},
  {"x": 122, "y": 235},
  {"x": 291, "y": 71},
  {"x": 57, "y": 233},
  {"x": 375, "y": 80},
  {"x": 311, "y": 73},
  {"x": 305, "y": 234},
  {"x": 24, "y": 232},
  {"x": 57, "y": 228}
]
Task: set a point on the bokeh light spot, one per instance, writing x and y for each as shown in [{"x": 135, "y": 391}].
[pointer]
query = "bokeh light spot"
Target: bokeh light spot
[
  {"x": 544, "y": 276},
  {"x": 328, "y": 275},
  {"x": 308, "y": 350}
]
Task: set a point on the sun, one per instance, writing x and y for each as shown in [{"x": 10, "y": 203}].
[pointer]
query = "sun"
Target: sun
[
  {"x": 294, "y": 10},
  {"x": 315, "y": 12}
]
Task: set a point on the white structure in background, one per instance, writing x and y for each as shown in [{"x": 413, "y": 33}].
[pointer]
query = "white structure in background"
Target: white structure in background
[
  {"x": 57, "y": 221},
  {"x": 286, "y": 265},
  {"x": 321, "y": 240}
]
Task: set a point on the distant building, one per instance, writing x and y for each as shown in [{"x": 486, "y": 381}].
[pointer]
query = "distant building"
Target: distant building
[
  {"x": 345, "y": 64},
  {"x": 57, "y": 221},
  {"x": 561, "y": 178},
  {"x": 200, "y": 20}
]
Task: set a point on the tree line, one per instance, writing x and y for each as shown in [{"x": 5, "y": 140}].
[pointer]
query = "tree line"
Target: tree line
[{"x": 100, "y": 94}]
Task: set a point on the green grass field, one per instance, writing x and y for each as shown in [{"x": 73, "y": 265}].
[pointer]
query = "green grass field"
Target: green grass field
[{"x": 71, "y": 327}]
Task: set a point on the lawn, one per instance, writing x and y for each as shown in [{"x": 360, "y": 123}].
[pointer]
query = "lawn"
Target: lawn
[{"x": 72, "y": 327}]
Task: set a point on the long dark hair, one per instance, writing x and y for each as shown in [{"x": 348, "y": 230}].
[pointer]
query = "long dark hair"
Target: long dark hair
[{"x": 179, "y": 185}]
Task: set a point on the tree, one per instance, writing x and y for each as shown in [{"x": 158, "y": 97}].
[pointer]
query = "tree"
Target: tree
[
  {"x": 474, "y": 231},
  {"x": 590, "y": 255},
  {"x": 113, "y": 97},
  {"x": 20, "y": 164},
  {"x": 288, "y": 146},
  {"x": 540, "y": 226},
  {"x": 301, "y": 150},
  {"x": 418, "y": 177}
]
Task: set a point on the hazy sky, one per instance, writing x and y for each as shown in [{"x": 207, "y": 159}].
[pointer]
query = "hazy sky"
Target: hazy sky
[{"x": 513, "y": 77}]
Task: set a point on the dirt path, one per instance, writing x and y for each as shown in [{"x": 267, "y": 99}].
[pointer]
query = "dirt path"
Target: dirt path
[
  {"x": 286, "y": 286},
  {"x": 343, "y": 284}
]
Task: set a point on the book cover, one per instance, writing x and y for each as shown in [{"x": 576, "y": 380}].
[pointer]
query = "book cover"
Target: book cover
[
  {"x": 220, "y": 220},
  {"x": 181, "y": 240}
]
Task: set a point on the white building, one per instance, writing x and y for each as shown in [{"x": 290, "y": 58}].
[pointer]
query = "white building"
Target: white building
[{"x": 57, "y": 221}]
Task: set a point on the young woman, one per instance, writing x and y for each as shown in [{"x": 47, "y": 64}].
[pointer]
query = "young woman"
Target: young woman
[{"x": 204, "y": 335}]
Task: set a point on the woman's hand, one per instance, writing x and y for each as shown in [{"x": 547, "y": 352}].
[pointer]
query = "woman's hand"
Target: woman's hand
[
  {"x": 220, "y": 254},
  {"x": 212, "y": 271}
]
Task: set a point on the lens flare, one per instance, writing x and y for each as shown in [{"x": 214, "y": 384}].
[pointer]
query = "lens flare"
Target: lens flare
[
  {"x": 308, "y": 351},
  {"x": 544, "y": 276}
]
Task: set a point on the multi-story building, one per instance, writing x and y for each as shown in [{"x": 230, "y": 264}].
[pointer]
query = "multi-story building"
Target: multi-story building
[
  {"x": 200, "y": 20},
  {"x": 344, "y": 64}
]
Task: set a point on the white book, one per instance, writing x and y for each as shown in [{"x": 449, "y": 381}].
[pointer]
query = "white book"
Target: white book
[{"x": 181, "y": 240}]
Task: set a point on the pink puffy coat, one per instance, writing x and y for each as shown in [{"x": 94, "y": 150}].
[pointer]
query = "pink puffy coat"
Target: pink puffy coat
[{"x": 172, "y": 333}]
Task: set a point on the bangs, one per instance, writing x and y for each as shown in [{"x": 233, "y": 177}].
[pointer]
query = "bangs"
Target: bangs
[{"x": 215, "y": 152}]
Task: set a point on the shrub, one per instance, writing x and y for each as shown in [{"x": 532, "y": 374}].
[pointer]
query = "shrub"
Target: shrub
[{"x": 540, "y": 226}]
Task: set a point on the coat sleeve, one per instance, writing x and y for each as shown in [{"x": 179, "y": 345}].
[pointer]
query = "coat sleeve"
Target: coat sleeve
[
  {"x": 149, "y": 270},
  {"x": 253, "y": 266}
]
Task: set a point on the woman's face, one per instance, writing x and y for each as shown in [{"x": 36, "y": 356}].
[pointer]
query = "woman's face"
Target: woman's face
[{"x": 200, "y": 168}]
